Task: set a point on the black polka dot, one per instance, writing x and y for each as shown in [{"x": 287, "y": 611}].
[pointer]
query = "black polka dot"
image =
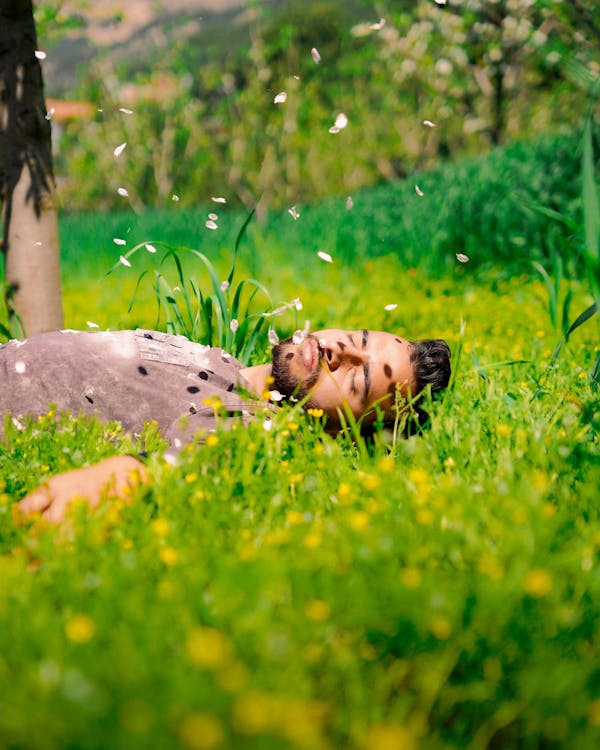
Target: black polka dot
[
  {"x": 90, "y": 399},
  {"x": 142, "y": 370},
  {"x": 398, "y": 340},
  {"x": 289, "y": 355},
  {"x": 193, "y": 389},
  {"x": 230, "y": 387},
  {"x": 387, "y": 370},
  {"x": 193, "y": 409},
  {"x": 203, "y": 375},
  {"x": 147, "y": 335}
]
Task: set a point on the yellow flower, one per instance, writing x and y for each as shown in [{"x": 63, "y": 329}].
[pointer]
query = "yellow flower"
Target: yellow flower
[
  {"x": 213, "y": 401},
  {"x": 317, "y": 610},
  {"x": 294, "y": 517},
  {"x": 503, "y": 430},
  {"x": 168, "y": 555},
  {"x": 449, "y": 463},
  {"x": 386, "y": 465},
  {"x": 440, "y": 627},
  {"x": 207, "y": 648},
  {"x": 212, "y": 440},
  {"x": 192, "y": 477},
  {"x": 160, "y": 526},
  {"x": 359, "y": 520},
  {"x": 411, "y": 577},
  {"x": 387, "y": 736},
  {"x": 537, "y": 582},
  {"x": 424, "y": 516},
  {"x": 80, "y": 628},
  {"x": 293, "y": 426},
  {"x": 253, "y": 713},
  {"x": 201, "y": 731},
  {"x": 370, "y": 481},
  {"x": 315, "y": 412},
  {"x": 312, "y": 540}
]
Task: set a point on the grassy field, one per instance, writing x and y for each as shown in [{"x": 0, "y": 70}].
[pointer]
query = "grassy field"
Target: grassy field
[{"x": 283, "y": 589}]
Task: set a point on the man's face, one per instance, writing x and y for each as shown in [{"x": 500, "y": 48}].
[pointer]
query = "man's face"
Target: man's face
[{"x": 344, "y": 368}]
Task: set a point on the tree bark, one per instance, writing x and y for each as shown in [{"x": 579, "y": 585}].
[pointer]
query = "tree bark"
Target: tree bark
[{"x": 27, "y": 188}]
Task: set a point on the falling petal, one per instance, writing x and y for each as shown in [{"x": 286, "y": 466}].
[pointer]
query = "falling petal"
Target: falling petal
[
  {"x": 325, "y": 256},
  {"x": 174, "y": 198},
  {"x": 119, "y": 241},
  {"x": 418, "y": 191},
  {"x": 224, "y": 285},
  {"x": 234, "y": 325},
  {"x": 334, "y": 130},
  {"x": 275, "y": 396},
  {"x": 40, "y": 54},
  {"x": 298, "y": 337},
  {"x": 125, "y": 111},
  {"x": 124, "y": 261},
  {"x": 20, "y": 367},
  {"x": 349, "y": 203},
  {"x": 267, "y": 424},
  {"x": 213, "y": 217},
  {"x": 119, "y": 149},
  {"x": 314, "y": 53},
  {"x": 123, "y": 192},
  {"x": 218, "y": 199},
  {"x": 390, "y": 307},
  {"x": 293, "y": 213},
  {"x": 429, "y": 124},
  {"x": 462, "y": 258},
  {"x": 50, "y": 113},
  {"x": 341, "y": 121},
  {"x": 280, "y": 98},
  {"x": 273, "y": 337},
  {"x": 150, "y": 248},
  {"x": 210, "y": 224},
  {"x": 90, "y": 324}
]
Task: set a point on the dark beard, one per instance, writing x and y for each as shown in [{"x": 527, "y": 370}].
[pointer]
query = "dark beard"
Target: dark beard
[{"x": 284, "y": 381}]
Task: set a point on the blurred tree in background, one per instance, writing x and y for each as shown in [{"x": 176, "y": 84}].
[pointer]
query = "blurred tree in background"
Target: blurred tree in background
[{"x": 418, "y": 81}]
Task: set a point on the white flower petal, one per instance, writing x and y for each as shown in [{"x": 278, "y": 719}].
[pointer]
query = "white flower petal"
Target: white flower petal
[
  {"x": 150, "y": 248},
  {"x": 119, "y": 241},
  {"x": 267, "y": 424},
  {"x": 119, "y": 149},
  {"x": 379, "y": 25},
  {"x": 418, "y": 191},
  {"x": 213, "y": 217},
  {"x": 275, "y": 396},
  {"x": 50, "y": 113},
  {"x": 341, "y": 121},
  {"x": 349, "y": 203},
  {"x": 234, "y": 325},
  {"x": 429, "y": 124},
  {"x": 124, "y": 261},
  {"x": 273, "y": 337},
  {"x": 462, "y": 258},
  {"x": 20, "y": 367},
  {"x": 122, "y": 192},
  {"x": 314, "y": 53},
  {"x": 40, "y": 54},
  {"x": 390, "y": 307},
  {"x": 298, "y": 337},
  {"x": 174, "y": 198},
  {"x": 125, "y": 111},
  {"x": 90, "y": 324},
  {"x": 293, "y": 213},
  {"x": 280, "y": 98},
  {"x": 325, "y": 256},
  {"x": 218, "y": 199},
  {"x": 224, "y": 285},
  {"x": 210, "y": 224}
]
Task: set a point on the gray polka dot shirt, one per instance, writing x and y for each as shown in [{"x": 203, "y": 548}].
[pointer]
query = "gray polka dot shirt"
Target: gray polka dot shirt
[{"x": 132, "y": 377}]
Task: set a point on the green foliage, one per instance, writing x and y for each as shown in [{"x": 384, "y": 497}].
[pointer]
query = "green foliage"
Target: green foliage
[
  {"x": 226, "y": 317},
  {"x": 282, "y": 589},
  {"x": 206, "y": 120}
]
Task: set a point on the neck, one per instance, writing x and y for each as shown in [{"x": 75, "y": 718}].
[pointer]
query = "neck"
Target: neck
[{"x": 257, "y": 376}]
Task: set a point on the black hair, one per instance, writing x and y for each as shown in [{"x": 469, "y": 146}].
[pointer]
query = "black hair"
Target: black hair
[{"x": 430, "y": 360}]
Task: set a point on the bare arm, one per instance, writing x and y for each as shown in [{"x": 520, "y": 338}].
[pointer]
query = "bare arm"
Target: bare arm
[{"x": 115, "y": 477}]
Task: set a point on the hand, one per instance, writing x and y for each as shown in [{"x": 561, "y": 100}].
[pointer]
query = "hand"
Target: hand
[{"x": 114, "y": 477}]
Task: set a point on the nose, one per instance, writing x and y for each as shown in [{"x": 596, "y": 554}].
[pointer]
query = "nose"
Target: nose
[{"x": 337, "y": 354}]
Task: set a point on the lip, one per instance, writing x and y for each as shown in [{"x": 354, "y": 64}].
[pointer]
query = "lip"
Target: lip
[{"x": 309, "y": 354}]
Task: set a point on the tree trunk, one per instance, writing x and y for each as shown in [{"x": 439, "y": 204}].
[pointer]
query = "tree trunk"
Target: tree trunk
[{"x": 29, "y": 224}]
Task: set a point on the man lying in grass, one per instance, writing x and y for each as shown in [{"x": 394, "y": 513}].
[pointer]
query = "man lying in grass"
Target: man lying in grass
[{"x": 133, "y": 377}]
